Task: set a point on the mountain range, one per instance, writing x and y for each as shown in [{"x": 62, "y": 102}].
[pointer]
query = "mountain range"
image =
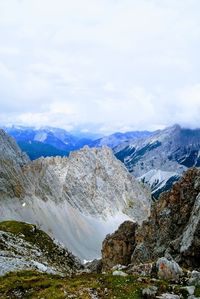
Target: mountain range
[
  {"x": 48, "y": 141},
  {"x": 162, "y": 157},
  {"x": 156, "y": 158}
]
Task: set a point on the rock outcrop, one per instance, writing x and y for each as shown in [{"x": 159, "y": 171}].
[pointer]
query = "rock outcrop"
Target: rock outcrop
[
  {"x": 174, "y": 224},
  {"x": 118, "y": 247},
  {"x": 24, "y": 247},
  {"x": 173, "y": 228},
  {"x": 77, "y": 200}
]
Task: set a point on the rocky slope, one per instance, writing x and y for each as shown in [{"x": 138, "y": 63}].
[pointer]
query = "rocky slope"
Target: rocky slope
[
  {"x": 76, "y": 200},
  {"x": 174, "y": 224},
  {"x": 161, "y": 158},
  {"x": 173, "y": 229},
  {"x": 24, "y": 247}
]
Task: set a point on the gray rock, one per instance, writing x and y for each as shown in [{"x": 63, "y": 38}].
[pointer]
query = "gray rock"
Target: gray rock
[
  {"x": 95, "y": 266},
  {"x": 142, "y": 269},
  {"x": 189, "y": 289},
  {"x": 168, "y": 296},
  {"x": 118, "y": 267},
  {"x": 150, "y": 292},
  {"x": 19, "y": 254},
  {"x": 10, "y": 151},
  {"x": 168, "y": 270},
  {"x": 119, "y": 273},
  {"x": 192, "y": 297},
  {"x": 194, "y": 278}
]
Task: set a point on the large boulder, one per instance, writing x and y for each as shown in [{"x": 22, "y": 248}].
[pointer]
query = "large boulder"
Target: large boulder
[{"x": 168, "y": 269}]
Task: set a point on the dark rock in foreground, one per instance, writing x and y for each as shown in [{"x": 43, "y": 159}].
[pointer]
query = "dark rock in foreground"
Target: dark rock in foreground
[{"x": 118, "y": 247}]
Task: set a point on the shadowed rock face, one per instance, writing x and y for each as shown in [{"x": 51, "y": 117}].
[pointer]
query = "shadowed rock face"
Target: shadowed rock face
[
  {"x": 174, "y": 224},
  {"x": 172, "y": 228},
  {"x": 118, "y": 247},
  {"x": 77, "y": 200}
]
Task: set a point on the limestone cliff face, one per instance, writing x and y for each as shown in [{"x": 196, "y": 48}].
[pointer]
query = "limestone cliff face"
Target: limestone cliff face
[
  {"x": 11, "y": 161},
  {"x": 92, "y": 181},
  {"x": 77, "y": 200}
]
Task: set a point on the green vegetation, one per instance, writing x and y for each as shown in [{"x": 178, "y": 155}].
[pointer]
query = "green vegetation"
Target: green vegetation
[
  {"x": 55, "y": 255},
  {"x": 197, "y": 291},
  {"x": 31, "y": 284},
  {"x": 28, "y": 232}
]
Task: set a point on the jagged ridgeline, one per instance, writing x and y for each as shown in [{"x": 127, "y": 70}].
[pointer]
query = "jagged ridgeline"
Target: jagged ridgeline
[
  {"x": 76, "y": 200},
  {"x": 160, "y": 159}
]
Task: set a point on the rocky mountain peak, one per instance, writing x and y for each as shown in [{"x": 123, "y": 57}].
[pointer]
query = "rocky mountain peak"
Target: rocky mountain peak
[
  {"x": 9, "y": 149},
  {"x": 160, "y": 159},
  {"x": 77, "y": 200}
]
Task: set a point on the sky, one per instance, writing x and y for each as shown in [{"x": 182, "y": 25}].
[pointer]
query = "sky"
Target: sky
[{"x": 101, "y": 65}]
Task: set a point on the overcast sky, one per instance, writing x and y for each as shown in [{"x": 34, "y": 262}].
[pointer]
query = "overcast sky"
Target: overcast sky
[{"x": 106, "y": 65}]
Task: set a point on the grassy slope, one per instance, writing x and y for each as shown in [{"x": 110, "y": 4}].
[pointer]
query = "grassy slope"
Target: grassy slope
[
  {"x": 55, "y": 255},
  {"x": 32, "y": 284}
]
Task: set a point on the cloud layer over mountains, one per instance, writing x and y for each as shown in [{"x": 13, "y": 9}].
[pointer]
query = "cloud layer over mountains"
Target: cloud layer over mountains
[{"x": 118, "y": 65}]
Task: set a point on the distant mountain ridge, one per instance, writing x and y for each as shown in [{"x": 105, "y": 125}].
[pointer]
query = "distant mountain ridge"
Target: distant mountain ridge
[
  {"x": 118, "y": 138},
  {"x": 46, "y": 141},
  {"x": 161, "y": 158},
  {"x": 157, "y": 158},
  {"x": 49, "y": 141}
]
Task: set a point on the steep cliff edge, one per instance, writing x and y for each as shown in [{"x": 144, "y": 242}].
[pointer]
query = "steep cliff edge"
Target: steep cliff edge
[{"x": 174, "y": 224}]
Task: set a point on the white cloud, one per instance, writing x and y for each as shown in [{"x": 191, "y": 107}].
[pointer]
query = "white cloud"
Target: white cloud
[{"x": 115, "y": 64}]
